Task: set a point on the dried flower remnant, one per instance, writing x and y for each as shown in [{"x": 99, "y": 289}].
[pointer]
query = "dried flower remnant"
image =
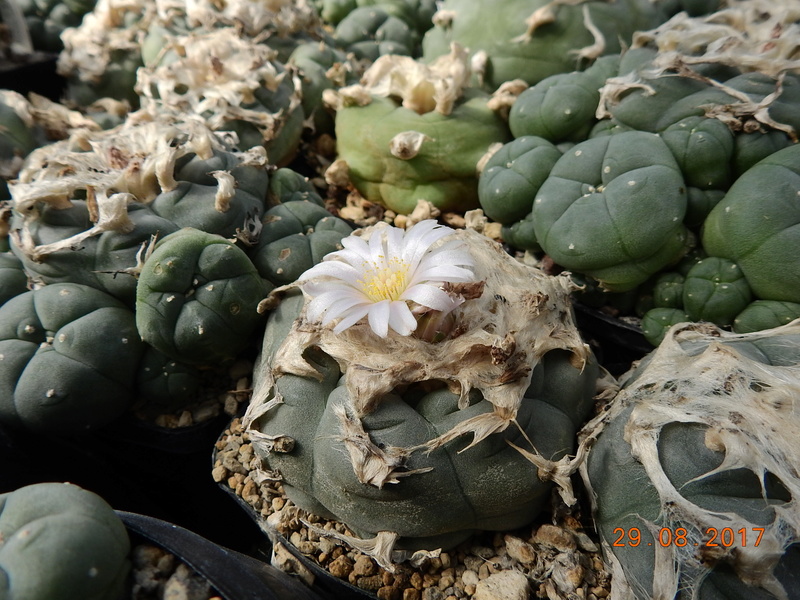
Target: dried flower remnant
[{"x": 388, "y": 279}]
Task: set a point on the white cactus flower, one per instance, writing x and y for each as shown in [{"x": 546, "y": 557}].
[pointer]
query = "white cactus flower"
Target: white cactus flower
[{"x": 389, "y": 278}]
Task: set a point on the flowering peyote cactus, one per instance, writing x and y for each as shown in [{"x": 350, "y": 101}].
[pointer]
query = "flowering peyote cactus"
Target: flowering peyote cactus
[
  {"x": 70, "y": 355},
  {"x": 196, "y": 298},
  {"x": 692, "y": 468},
  {"x": 61, "y": 542},
  {"x": 413, "y": 132},
  {"x": 424, "y": 386}
]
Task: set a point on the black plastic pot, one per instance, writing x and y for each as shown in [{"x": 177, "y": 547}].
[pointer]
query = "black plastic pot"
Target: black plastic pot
[
  {"x": 234, "y": 575},
  {"x": 325, "y": 584}
]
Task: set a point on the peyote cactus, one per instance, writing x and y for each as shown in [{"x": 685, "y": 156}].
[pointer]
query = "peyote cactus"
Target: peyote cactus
[
  {"x": 196, "y": 298},
  {"x": 45, "y": 243},
  {"x": 70, "y": 358},
  {"x": 761, "y": 237},
  {"x": 534, "y": 40},
  {"x": 369, "y": 32},
  {"x": 164, "y": 383},
  {"x": 426, "y": 148},
  {"x": 444, "y": 431},
  {"x": 61, "y": 542},
  {"x": 246, "y": 91},
  {"x": 692, "y": 469},
  {"x": 295, "y": 235},
  {"x": 13, "y": 279},
  {"x": 612, "y": 207}
]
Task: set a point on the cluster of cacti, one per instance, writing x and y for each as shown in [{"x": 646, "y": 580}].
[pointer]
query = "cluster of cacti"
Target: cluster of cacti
[
  {"x": 43, "y": 20},
  {"x": 163, "y": 217},
  {"x": 692, "y": 471},
  {"x": 668, "y": 148},
  {"x": 60, "y": 541}
]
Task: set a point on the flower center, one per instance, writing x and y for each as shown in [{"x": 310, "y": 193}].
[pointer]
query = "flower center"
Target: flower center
[{"x": 385, "y": 280}]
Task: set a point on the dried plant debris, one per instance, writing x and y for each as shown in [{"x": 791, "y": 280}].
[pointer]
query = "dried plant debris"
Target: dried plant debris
[
  {"x": 554, "y": 561},
  {"x": 701, "y": 440}
]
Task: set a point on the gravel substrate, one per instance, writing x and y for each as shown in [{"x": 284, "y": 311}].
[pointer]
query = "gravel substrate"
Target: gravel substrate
[
  {"x": 159, "y": 575},
  {"x": 554, "y": 560}
]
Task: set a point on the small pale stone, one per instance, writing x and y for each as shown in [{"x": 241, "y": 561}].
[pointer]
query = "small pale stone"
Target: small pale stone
[
  {"x": 371, "y": 583},
  {"x": 219, "y": 473},
  {"x": 389, "y": 593},
  {"x": 432, "y": 593},
  {"x": 507, "y": 585},
  {"x": 416, "y": 580},
  {"x": 470, "y": 578}
]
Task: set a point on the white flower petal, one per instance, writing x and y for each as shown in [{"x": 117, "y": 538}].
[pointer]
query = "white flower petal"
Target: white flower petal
[
  {"x": 441, "y": 273},
  {"x": 352, "y": 317},
  {"x": 333, "y": 268},
  {"x": 401, "y": 319},
  {"x": 342, "y": 307},
  {"x": 430, "y": 296},
  {"x": 378, "y": 316}
]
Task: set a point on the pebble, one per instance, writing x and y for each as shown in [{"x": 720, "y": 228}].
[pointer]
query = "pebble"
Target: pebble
[
  {"x": 507, "y": 585},
  {"x": 341, "y": 567},
  {"x": 555, "y": 537},
  {"x": 411, "y": 594},
  {"x": 365, "y": 567},
  {"x": 520, "y": 550}
]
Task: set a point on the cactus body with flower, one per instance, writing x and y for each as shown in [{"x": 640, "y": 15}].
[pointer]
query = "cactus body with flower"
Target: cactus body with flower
[{"x": 389, "y": 358}]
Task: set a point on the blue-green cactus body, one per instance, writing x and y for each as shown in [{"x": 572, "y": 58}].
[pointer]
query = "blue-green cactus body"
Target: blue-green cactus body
[
  {"x": 668, "y": 290},
  {"x": 61, "y": 542},
  {"x": 13, "y": 279},
  {"x": 294, "y": 237},
  {"x": 103, "y": 261},
  {"x": 193, "y": 202},
  {"x": 286, "y": 185},
  {"x": 657, "y": 321},
  {"x": 613, "y": 208},
  {"x": 488, "y": 487},
  {"x": 70, "y": 358},
  {"x": 512, "y": 176},
  {"x": 164, "y": 383},
  {"x": 765, "y": 314},
  {"x": 755, "y": 225},
  {"x": 715, "y": 290},
  {"x": 197, "y": 296},
  {"x": 562, "y": 107},
  {"x": 372, "y": 31}
]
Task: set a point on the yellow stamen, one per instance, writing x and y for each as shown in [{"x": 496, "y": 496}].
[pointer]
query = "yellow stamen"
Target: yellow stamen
[{"x": 385, "y": 280}]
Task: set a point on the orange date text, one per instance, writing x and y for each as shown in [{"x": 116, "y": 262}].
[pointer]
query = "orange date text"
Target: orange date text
[{"x": 679, "y": 536}]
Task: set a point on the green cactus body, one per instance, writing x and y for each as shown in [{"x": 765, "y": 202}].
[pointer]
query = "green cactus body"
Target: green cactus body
[
  {"x": 286, "y": 185},
  {"x": 512, "y": 176},
  {"x": 196, "y": 298},
  {"x": 314, "y": 62},
  {"x": 164, "y": 383},
  {"x": 755, "y": 225},
  {"x": 703, "y": 148},
  {"x": 13, "y": 279},
  {"x": 488, "y": 487},
  {"x": 61, "y": 542},
  {"x": 668, "y": 290},
  {"x": 657, "y": 321},
  {"x": 516, "y": 48},
  {"x": 18, "y": 137},
  {"x": 681, "y": 468},
  {"x": 99, "y": 261},
  {"x": 699, "y": 205},
  {"x": 417, "y": 13},
  {"x": 750, "y": 148},
  {"x": 562, "y": 107},
  {"x": 765, "y": 314},
  {"x": 294, "y": 237},
  {"x": 70, "y": 358},
  {"x": 194, "y": 201},
  {"x": 443, "y": 172},
  {"x": 613, "y": 208},
  {"x": 372, "y": 31},
  {"x": 522, "y": 234},
  {"x": 715, "y": 290}
]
